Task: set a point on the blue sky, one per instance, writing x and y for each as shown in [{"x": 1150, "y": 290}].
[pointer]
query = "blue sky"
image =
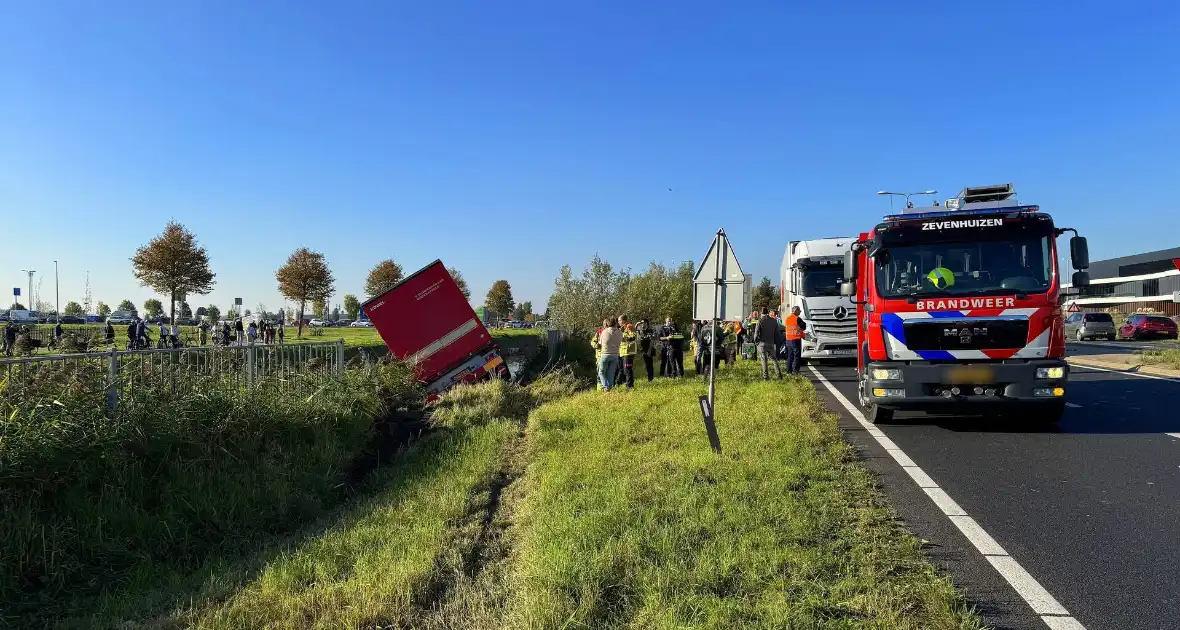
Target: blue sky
[{"x": 509, "y": 138}]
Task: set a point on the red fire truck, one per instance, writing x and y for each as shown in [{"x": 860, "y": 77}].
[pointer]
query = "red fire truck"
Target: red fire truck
[
  {"x": 425, "y": 319},
  {"x": 960, "y": 308}
]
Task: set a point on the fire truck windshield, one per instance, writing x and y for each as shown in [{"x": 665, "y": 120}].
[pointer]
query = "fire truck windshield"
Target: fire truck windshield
[{"x": 1009, "y": 266}]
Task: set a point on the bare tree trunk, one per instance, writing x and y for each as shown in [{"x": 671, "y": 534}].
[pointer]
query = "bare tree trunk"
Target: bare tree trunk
[
  {"x": 172, "y": 308},
  {"x": 299, "y": 334}
]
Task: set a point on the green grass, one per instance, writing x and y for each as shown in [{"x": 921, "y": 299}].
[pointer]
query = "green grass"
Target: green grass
[
  {"x": 371, "y": 569},
  {"x": 1169, "y": 358},
  {"x": 630, "y": 521},
  {"x": 103, "y": 519}
]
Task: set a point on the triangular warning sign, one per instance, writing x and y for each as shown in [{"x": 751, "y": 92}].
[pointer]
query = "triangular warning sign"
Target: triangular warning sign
[{"x": 1072, "y": 308}]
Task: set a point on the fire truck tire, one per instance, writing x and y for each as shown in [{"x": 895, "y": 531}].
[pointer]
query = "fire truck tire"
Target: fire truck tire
[{"x": 877, "y": 414}]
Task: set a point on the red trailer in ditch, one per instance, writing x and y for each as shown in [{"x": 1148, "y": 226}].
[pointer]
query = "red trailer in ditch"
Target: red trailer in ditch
[{"x": 426, "y": 320}]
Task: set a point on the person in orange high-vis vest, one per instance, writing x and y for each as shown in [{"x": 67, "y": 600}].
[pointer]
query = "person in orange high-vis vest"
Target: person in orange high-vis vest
[{"x": 794, "y": 326}]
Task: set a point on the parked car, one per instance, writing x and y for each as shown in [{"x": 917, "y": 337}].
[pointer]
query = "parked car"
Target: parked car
[
  {"x": 1141, "y": 326},
  {"x": 1083, "y": 326},
  {"x": 364, "y": 323},
  {"x": 72, "y": 319},
  {"x": 318, "y": 323},
  {"x": 121, "y": 317},
  {"x": 343, "y": 322}
]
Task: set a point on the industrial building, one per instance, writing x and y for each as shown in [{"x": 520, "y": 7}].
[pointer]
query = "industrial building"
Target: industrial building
[{"x": 1142, "y": 283}]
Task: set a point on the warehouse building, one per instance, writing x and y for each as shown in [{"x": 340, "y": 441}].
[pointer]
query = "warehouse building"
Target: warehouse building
[{"x": 1143, "y": 283}]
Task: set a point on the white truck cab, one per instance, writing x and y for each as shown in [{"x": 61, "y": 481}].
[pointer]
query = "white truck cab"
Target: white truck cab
[{"x": 810, "y": 278}]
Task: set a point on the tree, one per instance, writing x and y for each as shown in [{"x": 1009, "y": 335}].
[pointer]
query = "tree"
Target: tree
[
  {"x": 74, "y": 309},
  {"x": 527, "y": 307},
  {"x": 213, "y": 313},
  {"x": 352, "y": 306},
  {"x": 102, "y": 309},
  {"x": 499, "y": 298},
  {"x": 458, "y": 277},
  {"x": 174, "y": 264},
  {"x": 153, "y": 307},
  {"x": 127, "y": 305},
  {"x": 319, "y": 309},
  {"x": 186, "y": 311},
  {"x": 765, "y": 296},
  {"x": 201, "y": 312},
  {"x": 305, "y": 277},
  {"x": 336, "y": 313},
  {"x": 382, "y": 277},
  {"x": 581, "y": 303},
  {"x": 17, "y": 306},
  {"x": 518, "y": 313}
]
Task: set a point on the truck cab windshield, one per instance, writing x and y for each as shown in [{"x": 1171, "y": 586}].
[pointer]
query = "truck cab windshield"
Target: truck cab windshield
[
  {"x": 992, "y": 267},
  {"x": 821, "y": 281}
]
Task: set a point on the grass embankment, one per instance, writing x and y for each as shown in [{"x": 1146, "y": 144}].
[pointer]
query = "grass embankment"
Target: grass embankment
[
  {"x": 104, "y": 519},
  {"x": 610, "y": 511},
  {"x": 629, "y": 520},
  {"x": 399, "y": 556}
]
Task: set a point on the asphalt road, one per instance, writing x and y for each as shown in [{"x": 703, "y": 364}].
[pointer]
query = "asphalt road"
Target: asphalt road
[{"x": 1091, "y": 509}]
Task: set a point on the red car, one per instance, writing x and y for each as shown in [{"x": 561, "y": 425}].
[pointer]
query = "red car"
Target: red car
[{"x": 1148, "y": 327}]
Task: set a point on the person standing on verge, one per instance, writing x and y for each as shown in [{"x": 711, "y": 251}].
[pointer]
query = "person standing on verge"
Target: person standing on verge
[
  {"x": 646, "y": 346},
  {"x": 673, "y": 348},
  {"x": 765, "y": 333},
  {"x": 609, "y": 340},
  {"x": 794, "y": 327},
  {"x": 239, "y": 336},
  {"x": 202, "y": 331},
  {"x": 627, "y": 351},
  {"x": 175, "y": 335}
]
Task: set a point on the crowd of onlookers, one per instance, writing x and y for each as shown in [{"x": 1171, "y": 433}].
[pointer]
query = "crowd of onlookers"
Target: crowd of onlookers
[{"x": 767, "y": 337}]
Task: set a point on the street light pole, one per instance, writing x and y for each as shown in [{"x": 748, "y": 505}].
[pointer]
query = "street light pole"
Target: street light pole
[
  {"x": 56, "y": 292},
  {"x": 29, "y": 297}
]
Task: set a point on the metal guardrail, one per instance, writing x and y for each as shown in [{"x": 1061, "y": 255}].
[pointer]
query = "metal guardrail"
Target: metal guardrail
[{"x": 280, "y": 368}]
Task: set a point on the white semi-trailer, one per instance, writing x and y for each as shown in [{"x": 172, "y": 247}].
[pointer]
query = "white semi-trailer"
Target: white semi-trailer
[{"x": 810, "y": 278}]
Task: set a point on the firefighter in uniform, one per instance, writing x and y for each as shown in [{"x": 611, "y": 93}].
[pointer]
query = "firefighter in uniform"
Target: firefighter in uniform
[
  {"x": 672, "y": 359},
  {"x": 627, "y": 350},
  {"x": 793, "y": 327}
]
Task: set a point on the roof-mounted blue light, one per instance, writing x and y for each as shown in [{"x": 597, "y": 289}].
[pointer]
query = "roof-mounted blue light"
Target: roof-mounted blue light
[{"x": 958, "y": 213}]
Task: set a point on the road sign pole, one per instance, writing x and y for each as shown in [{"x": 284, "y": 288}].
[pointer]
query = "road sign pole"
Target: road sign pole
[{"x": 718, "y": 284}]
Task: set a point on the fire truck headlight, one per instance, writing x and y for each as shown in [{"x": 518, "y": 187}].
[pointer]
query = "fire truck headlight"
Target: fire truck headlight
[
  {"x": 1050, "y": 372},
  {"x": 886, "y": 375}
]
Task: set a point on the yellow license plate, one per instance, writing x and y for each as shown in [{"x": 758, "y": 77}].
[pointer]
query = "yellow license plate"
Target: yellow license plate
[{"x": 970, "y": 374}]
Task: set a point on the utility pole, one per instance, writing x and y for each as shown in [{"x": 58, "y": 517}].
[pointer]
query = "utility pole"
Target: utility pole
[
  {"x": 56, "y": 295},
  {"x": 87, "y": 299}
]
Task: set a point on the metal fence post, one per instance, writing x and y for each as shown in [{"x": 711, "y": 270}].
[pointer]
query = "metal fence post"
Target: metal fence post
[
  {"x": 112, "y": 383},
  {"x": 250, "y": 367},
  {"x": 340, "y": 358}
]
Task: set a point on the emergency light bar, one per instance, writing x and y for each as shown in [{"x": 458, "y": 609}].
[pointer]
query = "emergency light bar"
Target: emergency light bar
[{"x": 959, "y": 213}]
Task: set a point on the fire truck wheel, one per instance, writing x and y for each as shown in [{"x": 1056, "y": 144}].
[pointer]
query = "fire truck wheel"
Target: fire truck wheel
[{"x": 878, "y": 414}]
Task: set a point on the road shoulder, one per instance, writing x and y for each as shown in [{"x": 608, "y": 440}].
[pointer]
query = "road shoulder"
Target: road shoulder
[{"x": 996, "y": 602}]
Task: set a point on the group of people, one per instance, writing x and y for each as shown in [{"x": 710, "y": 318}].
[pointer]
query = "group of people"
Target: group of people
[
  {"x": 237, "y": 333},
  {"x": 618, "y": 341}
]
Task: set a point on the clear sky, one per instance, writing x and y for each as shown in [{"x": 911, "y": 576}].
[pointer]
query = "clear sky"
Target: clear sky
[{"x": 509, "y": 138}]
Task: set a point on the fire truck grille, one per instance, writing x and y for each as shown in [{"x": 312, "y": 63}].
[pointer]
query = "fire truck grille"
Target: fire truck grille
[{"x": 943, "y": 334}]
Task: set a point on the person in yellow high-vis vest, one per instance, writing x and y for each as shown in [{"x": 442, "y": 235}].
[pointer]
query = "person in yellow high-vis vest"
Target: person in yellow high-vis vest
[{"x": 627, "y": 350}]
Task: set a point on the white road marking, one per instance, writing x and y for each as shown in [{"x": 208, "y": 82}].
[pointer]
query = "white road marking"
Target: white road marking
[
  {"x": 1055, "y": 616},
  {"x": 1074, "y": 405},
  {"x": 1175, "y": 435}
]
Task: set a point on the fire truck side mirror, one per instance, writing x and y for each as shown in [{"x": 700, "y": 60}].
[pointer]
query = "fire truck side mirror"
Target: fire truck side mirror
[
  {"x": 849, "y": 266},
  {"x": 1079, "y": 252},
  {"x": 848, "y": 289},
  {"x": 1081, "y": 279}
]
